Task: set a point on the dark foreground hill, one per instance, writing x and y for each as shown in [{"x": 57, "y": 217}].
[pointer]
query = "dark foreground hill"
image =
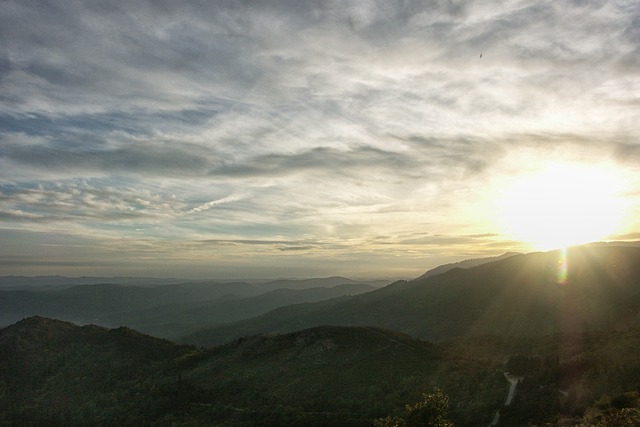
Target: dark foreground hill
[
  {"x": 56, "y": 373},
  {"x": 523, "y": 295}
]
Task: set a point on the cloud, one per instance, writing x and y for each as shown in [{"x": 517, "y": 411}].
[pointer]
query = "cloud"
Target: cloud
[
  {"x": 315, "y": 124},
  {"x": 136, "y": 158},
  {"x": 20, "y": 216},
  {"x": 182, "y": 56},
  {"x": 71, "y": 202},
  {"x": 209, "y": 205}
]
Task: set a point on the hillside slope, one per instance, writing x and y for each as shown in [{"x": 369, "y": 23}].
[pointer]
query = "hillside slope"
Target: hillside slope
[
  {"x": 113, "y": 304},
  {"x": 469, "y": 263},
  {"x": 86, "y": 303},
  {"x": 56, "y": 373},
  {"x": 174, "y": 320},
  {"x": 520, "y": 295}
]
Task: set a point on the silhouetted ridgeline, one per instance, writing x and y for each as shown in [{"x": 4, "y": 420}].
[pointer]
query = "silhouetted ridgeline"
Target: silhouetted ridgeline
[
  {"x": 465, "y": 264},
  {"x": 516, "y": 296}
]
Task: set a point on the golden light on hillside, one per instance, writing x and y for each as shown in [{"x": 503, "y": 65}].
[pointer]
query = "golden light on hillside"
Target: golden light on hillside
[{"x": 561, "y": 205}]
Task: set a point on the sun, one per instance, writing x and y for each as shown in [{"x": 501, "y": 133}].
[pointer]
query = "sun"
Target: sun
[{"x": 561, "y": 205}]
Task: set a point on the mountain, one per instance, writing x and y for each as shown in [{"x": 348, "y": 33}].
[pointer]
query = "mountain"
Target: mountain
[
  {"x": 27, "y": 282},
  {"x": 325, "y": 282},
  {"x": 87, "y": 303},
  {"x": 521, "y": 295},
  {"x": 465, "y": 264},
  {"x": 57, "y": 373},
  {"x": 166, "y": 310},
  {"x": 59, "y": 282},
  {"x": 174, "y": 320}
]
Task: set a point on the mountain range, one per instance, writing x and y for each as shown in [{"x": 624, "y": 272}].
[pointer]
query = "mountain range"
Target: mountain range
[
  {"x": 169, "y": 308},
  {"x": 176, "y": 303},
  {"x": 521, "y": 295},
  {"x": 179, "y": 319},
  {"x": 564, "y": 322}
]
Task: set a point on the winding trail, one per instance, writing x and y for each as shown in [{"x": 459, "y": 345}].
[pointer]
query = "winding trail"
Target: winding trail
[
  {"x": 513, "y": 383},
  {"x": 512, "y": 388}
]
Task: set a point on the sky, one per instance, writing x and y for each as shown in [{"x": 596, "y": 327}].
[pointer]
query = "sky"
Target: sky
[{"x": 292, "y": 138}]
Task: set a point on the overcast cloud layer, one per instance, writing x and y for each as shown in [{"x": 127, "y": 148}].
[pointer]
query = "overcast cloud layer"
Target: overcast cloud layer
[{"x": 294, "y": 138}]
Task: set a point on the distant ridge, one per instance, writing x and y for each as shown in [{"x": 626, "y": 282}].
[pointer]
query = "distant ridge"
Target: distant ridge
[
  {"x": 515, "y": 296},
  {"x": 24, "y": 282},
  {"x": 160, "y": 308},
  {"x": 174, "y": 320},
  {"x": 325, "y": 282},
  {"x": 16, "y": 282},
  {"x": 469, "y": 263}
]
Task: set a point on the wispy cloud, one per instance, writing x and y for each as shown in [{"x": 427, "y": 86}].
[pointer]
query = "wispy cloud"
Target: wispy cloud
[
  {"x": 163, "y": 124},
  {"x": 209, "y": 205}
]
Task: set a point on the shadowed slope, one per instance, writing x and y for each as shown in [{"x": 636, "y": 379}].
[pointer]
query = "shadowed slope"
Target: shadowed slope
[
  {"x": 56, "y": 373},
  {"x": 174, "y": 320},
  {"x": 469, "y": 263},
  {"x": 520, "y": 295}
]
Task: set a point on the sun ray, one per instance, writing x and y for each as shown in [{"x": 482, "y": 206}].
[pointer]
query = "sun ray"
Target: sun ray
[{"x": 563, "y": 266}]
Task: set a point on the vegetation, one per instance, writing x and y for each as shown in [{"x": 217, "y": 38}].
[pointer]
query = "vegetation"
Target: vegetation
[
  {"x": 430, "y": 412},
  {"x": 621, "y": 410},
  {"x": 56, "y": 373}
]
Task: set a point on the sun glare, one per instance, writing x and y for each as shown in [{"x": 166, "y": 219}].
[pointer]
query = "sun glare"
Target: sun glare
[{"x": 561, "y": 205}]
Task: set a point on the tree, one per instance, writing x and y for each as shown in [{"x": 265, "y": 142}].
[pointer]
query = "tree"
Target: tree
[
  {"x": 430, "y": 412},
  {"x": 620, "y": 411}
]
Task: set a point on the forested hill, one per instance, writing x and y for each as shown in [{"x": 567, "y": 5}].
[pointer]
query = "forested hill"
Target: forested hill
[
  {"x": 55, "y": 373},
  {"x": 527, "y": 295}
]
